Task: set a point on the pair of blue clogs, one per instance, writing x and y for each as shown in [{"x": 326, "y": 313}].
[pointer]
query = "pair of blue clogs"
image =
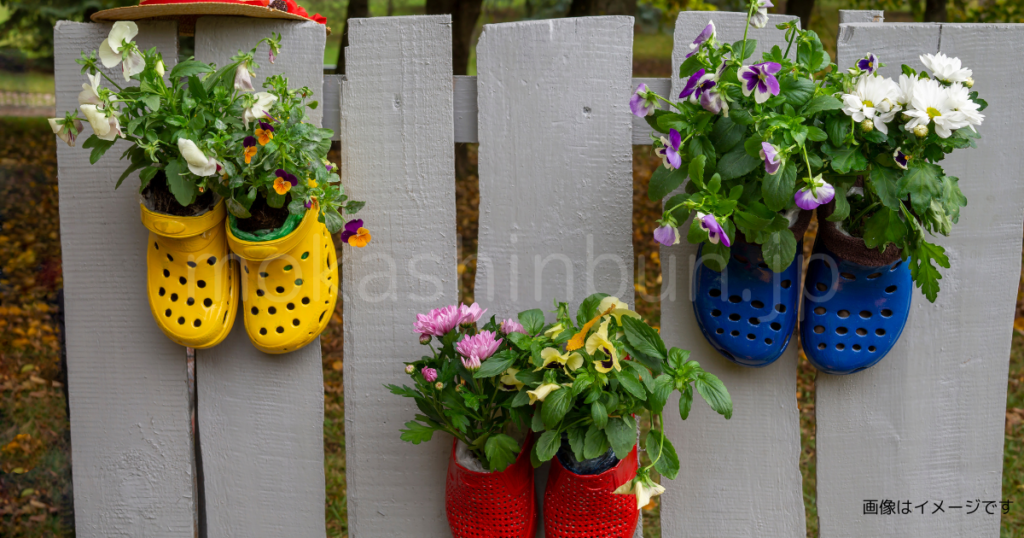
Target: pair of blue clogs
[{"x": 855, "y": 304}]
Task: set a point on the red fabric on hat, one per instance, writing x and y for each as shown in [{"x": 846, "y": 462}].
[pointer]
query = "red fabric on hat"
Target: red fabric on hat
[{"x": 292, "y": 6}]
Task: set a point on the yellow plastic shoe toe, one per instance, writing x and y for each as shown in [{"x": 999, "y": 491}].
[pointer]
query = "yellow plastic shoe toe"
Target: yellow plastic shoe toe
[{"x": 192, "y": 280}]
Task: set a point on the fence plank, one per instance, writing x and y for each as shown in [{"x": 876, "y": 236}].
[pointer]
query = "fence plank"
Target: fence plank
[
  {"x": 555, "y": 164},
  {"x": 261, "y": 416},
  {"x": 739, "y": 477},
  {"x": 332, "y": 104},
  {"x": 127, "y": 382},
  {"x": 399, "y": 156},
  {"x": 926, "y": 423}
]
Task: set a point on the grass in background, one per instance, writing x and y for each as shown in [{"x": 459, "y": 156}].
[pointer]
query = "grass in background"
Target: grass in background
[{"x": 29, "y": 82}]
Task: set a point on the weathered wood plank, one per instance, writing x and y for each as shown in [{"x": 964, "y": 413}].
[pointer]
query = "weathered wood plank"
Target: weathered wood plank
[
  {"x": 332, "y": 104},
  {"x": 127, "y": 384},
  {"x": 926, "y": 423},
  {"x": 739, "y": 477},
  {"x": 861, "y": 15},
  {"x": 399, "y": 156},
  {"x": 555, "y": 165},
  {"x": 261, "y": 416}
]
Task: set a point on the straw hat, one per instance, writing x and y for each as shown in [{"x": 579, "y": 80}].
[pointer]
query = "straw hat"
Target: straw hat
[{"x": 187, "y": 11}]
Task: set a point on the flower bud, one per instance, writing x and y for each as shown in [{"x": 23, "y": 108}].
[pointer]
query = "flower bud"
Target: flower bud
[
  {"x": 458, "y": 388},
  {"x": 467, "y": 324},
  {"x": 921, "y": 131},
  {"x": 439, "y": 385},
  {"x": 969, "y": 82},
  {"x": 867, "y": 126},
  {"x": 904, "y": 117},
  {"x": 160, "y": 68},
  {"x": 409, "y": 369},
  {"x": 424, "y": 339}
]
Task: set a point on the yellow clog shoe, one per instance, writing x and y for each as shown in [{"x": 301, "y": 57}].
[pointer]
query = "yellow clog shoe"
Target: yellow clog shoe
[
  {"x": 192, "y": 280},
  {"x": 289, "y": 283}
]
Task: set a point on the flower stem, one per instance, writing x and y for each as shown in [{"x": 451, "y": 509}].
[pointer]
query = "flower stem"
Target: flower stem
[{"x": 864, "y": 211}]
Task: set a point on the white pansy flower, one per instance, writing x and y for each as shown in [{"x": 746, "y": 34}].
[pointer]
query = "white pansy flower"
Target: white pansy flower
[
  {"x": 259, "y": 108},
  {"x": 946, "y": 69},
  {"x": 243, "y": 82},
  {"x": 198, "y": 163},
  {"x": 66, "y": 132},
  {"x": 111, "y": 52},
  {"x": 759, "y": 19},
  {"x": 90, "y": 94},
  {"x": 873, "y": 98},
  {"x": 931, "y": 105},
  {"x": 959, "y": 98},
  {"x": 97, "y": 119},
  {"x": 643, "y": 490}
]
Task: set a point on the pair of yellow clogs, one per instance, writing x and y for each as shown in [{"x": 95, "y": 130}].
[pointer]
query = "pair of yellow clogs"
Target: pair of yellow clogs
[{"x": 289, "y": 285}]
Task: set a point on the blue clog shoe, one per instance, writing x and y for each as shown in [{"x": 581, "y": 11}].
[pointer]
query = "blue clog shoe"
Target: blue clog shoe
[
  {"x": 856, "y": 302},
  {"x": 748, "y": 312}
]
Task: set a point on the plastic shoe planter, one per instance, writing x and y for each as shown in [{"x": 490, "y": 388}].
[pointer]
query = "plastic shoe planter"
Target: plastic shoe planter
[
  {"x": 583, "y": 506},
  {"x": 192, "y": 281},
  {"x": 492, "y": 505},
  {"x": 289, "y": 282},
  {"x": 856, "y": 301},
  {"x": 748, "y": 312}
]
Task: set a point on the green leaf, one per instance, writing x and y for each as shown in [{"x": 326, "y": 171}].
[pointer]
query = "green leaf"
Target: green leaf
[
  {"x": 595, "y": 443},
  {"x": 556, "y": 405},
  {"x": 884, "y": 182},
  {"x": 644, "y": 338},
  {"x": 537, "y": 423},
  {"x": 714, "y": 393},
  {"x": 797, "y": 91},
  {"x": 99, "y": 147},
  {"x": 696, "y": 170},
  {"x": 842, "y": 206},
  {"x": 663, "y": 387},
  {"x": 884, "y": 227},
  {"x": 495, "y": 365},
  {"x": 588, "y": 308},
  {"x": 599, "y": 414},
  {"x": 621, "y": 432},
  {"x": 521, "y": 399},
  {"x": 778, "y": 189},
  {"x": 820, "y": 104},
  {"x": 532, "y": 320},
  {"x": 749, "y": 221},
  {"x": 521, "y": 341},
  {"x": 671, "y": 120},
  {"x": 662, "y": 453},
  {"x": 581, "y": 383},
  {"x": 690, "y": 66},
  {"x": 753, "y": 146},
  {"x": 838, "y": 128},
  {"x": 417, "y": 433},
  {"x": 152, "y": 102},
  {"x": 237, "y": 209},
  {"x": 548, "y": 445},
  {"x": 812, "y": 53},
  {"x": 663, "y": 181},
  {"x": 746, "y": 51},
  {"x": 183, "y": 189},
  {"x": 501, "y": 451},
  {"x": 741, "y": 116},
  {"x": 195, "y": 87},
  {"x": 459, "y": 420},
  {"x": 846, "y": 159},
  {"x": 677, "y": 358},
  {"x": 577, "y": 441},
  {"x": 879, "y": 137},
  {"x": 189, "y": 68},
  {"x": 815, "y": 134},
  {"x": 404, "y": 390},
  {"x": 779, "y": 250},
  {"x": 737, "y": 163},
  {"x": 926, "y": 275},
  {"x": 922, "y": 182},
  {"x": 333, "y": 220},
  {"x": 131, "y": 168},
  {"x": 685, "y": 401},
  {"x": 701, "y": 145},
  {"x": 726, "y": 134},
  {"x": 147, "y": 175},
  {"x": 715, "y": 256},
  {"x": 352, "y": 207},
  {"x": 631, "y": 384}
]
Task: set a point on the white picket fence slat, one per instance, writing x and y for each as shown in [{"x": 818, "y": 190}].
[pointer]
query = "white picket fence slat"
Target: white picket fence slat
[
  {"x": 550, "y": 112},
  {"x": 926, "y": 423},
  {"x": 739, "y": 477}
]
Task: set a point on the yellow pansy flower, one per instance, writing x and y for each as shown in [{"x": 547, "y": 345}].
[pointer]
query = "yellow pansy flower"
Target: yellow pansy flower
[
  {"x": 576, "y": 342},
  {"x": 572, "y": 361},
  {"x": 509, "y": 381},
  {"x": 538, "y": 394},
  {"x": 554, "y": 331},
  {"x": 617, "y": 307},
  {"x": 599, "y": 341}
]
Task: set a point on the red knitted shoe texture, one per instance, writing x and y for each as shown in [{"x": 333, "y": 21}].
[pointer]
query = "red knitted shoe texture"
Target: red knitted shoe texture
[
  {"x": 492, "y": 505},
  {"x": 583, "y": 506}
]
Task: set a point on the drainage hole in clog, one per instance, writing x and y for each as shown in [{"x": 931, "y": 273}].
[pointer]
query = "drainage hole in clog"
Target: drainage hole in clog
[
  {"x": 757, "y": 304},
  {"x": 322, "y": 315},
  {"x": 776, "y": 326},
  {"x": 786, "y": 284},
  {"x": 842, "y": 330},
  {"x": 862, "y": 331},
  {"x": 720, "y": 330},
  {"x": 840, "y": 347},
  {"x": 305, "y": 255},
  {"x": 880, "y": 332},
  {"x": 254, "y": 310},
  {"x": 715, "y": 292},
  {"x": 740, "y": 258},
  {"x": 201, "y": 283},
  {"x": 895, "y": 265},
  {"x": 263, "y": 331},
  {"x": 298, "y": 281},
  {"x": 212, "y": 260},
  {"x": 890, "y": 289},
  {"x": 156, "y": 246},
  {"x": 848, "y": 276},
  {"x": 856, "y": 347},
  {"x": 865, "y": 314},
  {"x": 843, "y": 314},
  {"x": 280, "y": 330},
  {"x": 182, "y": 280},
  {"x": 735, "y": 299},
  {"x": 170, "y": 258},
  {"x": 781, "y": 308},
  {"x": 174, "y": 297},
  {"x": 734, "y": 317},
  {"x": 305, "y": 300},
  {"x": 871, "y": 349},
  {"x": 190, "y": 301},
  {"x": 751, "y": 337},
  {"x": 287, "y": 268},
  {"x": 162, "y": 292},
  {"x": 821, "y": 345},
  {"x": 873, "y": 276},
  {"x": 821, "y": 286},
  {"x": 272, "y": 310},
  {"x": 191, "y": 264},
  {"x": 246, "y": 267},
  {"x": 225, "y": 318},
  {"x": 197, "y": 323},
  {"x": 735, "y": 333},
  {"x": 167, "y": 312},
  {"x": 754, "y": 321},
  {"x": 207, "y": 302},
  {"x": 291, "y": 306},
  {"x": 715, "y": 313},
  {"x": 295, "y": 322},
  {"x": 820, "y": 310},
  {"x": 166, "y": 273},
  {"x": 260, "y": 293},
  {"x": 819, "y": 329},
  {"x": 181, "y": 321},
  {"x": 264, "y": 274},
  {"x": 768, "y": 341},
  {"x": 886, "y": 313},
  {"x": 280, "y": 289}
]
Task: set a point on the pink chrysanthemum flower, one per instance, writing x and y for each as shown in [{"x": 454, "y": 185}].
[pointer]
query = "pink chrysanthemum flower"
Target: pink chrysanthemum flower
[{"x": 477, "y": 348}]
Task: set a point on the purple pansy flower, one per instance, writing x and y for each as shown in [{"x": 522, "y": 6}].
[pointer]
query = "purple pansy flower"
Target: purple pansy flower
[
  {"x": 707, "y": 33},
  {"x": 351, "y": 228},
  {"x": 249, "y": 142},
  {"x": 715, "y": 231},
  {"x": 760, "y": 80},
  {"x": 811, "y": 197},
  {"x": 902, "y": 159},
  {"x": 868, "y": 63},
  {"x": 290, "y": 178},
  {"x": 266, "y": 126},
  {"x": 669, "y": 152},
  {"x": 666, "y": 235},
  {"x": 771, "y": 158},
  {"x": 701, "y": 88},
  {"x": 643, "y": 102}
]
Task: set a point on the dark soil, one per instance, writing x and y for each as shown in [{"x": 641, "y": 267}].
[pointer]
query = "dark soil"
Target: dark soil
[
  {"x": 161, "y": 199},
  {"x": 263, "y": 216}
]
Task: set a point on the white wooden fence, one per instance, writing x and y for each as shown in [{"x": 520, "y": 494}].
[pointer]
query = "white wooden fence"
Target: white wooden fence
[{"x": 549, "y": 109}]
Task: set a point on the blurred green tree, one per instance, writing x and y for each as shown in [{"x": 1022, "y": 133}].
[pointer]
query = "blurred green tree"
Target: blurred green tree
[{"x": 29, "y": 27}]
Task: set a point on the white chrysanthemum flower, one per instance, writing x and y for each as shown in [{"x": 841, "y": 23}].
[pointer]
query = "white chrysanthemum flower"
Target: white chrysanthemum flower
[
  {"x": 873, "y": 98},
  {"x": 960, "y": 100},
  {"x": 931, "y": 105},
  {"x": 946, "y": 69},
  {"x": 906, "y": 90}
]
